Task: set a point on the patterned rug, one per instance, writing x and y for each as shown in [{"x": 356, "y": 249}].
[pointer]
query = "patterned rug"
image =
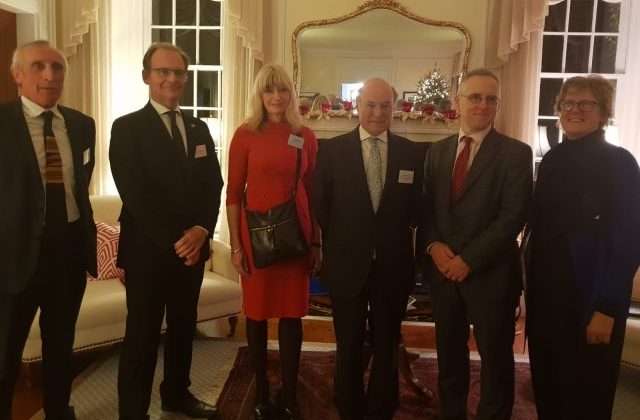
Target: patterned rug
[{"x": 316, "y": 382}]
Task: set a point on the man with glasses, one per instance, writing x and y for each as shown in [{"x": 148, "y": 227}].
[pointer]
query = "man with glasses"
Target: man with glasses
[
  {"x": 477, "y": 187},
  {"x": 168, "y": 176}
]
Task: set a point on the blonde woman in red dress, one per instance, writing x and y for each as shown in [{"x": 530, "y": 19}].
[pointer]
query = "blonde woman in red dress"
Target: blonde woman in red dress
[{"x": 262, "y": 159}]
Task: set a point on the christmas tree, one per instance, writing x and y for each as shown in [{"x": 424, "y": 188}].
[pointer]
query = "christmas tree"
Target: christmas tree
[{"x": 432, "y": 88}]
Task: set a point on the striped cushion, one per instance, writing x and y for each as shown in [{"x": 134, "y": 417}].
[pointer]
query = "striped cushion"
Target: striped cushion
[{"x": 108, "y": 252}]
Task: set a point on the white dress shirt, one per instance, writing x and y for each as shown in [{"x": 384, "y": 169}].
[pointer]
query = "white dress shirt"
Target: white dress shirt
[
  {"x": 162, "y": 110},
  {"x": 35, "y": 124},
  {"x": 477, "y": 137}
]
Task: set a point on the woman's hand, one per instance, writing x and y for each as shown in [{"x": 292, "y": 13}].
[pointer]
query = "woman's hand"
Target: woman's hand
[
  {"x": 599, "y": 328},
  {"x": 316, "y": 259},
  {"x": 239, "y": 261}
]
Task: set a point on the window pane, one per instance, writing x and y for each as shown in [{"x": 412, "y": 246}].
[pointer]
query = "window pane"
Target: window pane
[
  {"x": 614, "y": 85},
  {"x": 552, "y": 53},
  {"x": 549, "y": 88},
  {"x": 161, "y": 35},
  {"x": 206, "y": 115},
  {"x": 548, "y": 136},
  {"x": 208, "y": 88},
  {"x": 555, "y": 21},
  {"x": 161, "y": 12},
  {"x": 577, "y": 54},
  {"x": 186, "y": 39},
  {"x": 187, "y": 96},
  {"x": 209, "y": 13},
  {"x": 210, "y": 47},
  {"x": 581, "y": 16},
  {"x": 604, "y": 54},
  {"x": 186, "y": 12},
  {"x": 608, "y": 17}
]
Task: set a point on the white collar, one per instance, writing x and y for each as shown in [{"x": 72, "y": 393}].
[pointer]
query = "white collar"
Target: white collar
[
  {"x": 364, "y": 134},
  {"x": 34, "y": 110}
]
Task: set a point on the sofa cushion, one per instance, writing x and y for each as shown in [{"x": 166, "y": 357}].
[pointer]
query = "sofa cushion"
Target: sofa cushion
[{"x": 107, "y": 238}]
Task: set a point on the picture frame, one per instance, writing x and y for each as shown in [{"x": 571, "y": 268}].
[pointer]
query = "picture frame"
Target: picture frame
[{"x": 409, "y": 96}]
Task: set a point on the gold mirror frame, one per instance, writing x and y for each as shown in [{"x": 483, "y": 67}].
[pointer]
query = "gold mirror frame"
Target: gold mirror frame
[{"x": 370, "y": 5}]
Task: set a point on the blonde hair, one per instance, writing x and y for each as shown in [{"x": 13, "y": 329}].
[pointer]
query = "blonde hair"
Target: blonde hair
[{"x": 272, "y": 76}]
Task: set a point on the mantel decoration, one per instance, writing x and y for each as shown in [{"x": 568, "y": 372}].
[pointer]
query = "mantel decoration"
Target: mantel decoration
[{"x": 432, "y": 88}]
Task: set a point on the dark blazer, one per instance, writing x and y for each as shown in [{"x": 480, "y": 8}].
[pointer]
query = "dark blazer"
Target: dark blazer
[
  {"x": 161, "y": 198},
  {"x": 351, "y": 230},
  {"x": 22, "y": 200},
  {"x": 482, "y": 226}
]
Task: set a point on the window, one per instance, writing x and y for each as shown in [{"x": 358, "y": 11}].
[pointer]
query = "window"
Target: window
[
  {"x": 196, "y": 27},
  {"x": 580, "y": 37}
]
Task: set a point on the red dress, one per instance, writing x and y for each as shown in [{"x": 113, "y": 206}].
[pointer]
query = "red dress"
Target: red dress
[{"x": 266, "y": 164}]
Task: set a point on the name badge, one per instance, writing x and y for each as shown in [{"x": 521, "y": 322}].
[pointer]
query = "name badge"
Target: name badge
[
  {"x": 201, "y": 151},
  {"x": 86, "y": 156},
  {"x": 405, "y": 177},
  {"x": 295, "y": 141}
]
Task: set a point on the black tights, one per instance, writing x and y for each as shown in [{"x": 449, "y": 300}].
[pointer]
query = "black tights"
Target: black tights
[{"x": 290, "y": 340}]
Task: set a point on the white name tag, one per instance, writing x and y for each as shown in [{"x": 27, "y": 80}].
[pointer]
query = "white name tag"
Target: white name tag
[
  {"x": 201, "y": 151},
  {"x": 405, "y": 177},
  {"x": 86, "y": 156},
  {"x": 295, "y": 141}
]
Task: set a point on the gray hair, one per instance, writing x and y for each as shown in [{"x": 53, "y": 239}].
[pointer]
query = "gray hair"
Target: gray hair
[
  {"x": 16, "y": 59},
  {"x": 480, "y": 71}
]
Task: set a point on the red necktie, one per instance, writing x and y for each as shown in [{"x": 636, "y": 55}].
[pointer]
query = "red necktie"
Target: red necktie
[{"x": 460, "y": 171}]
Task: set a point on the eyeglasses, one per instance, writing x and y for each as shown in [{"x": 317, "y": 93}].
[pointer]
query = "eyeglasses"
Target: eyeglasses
[
  {"x": 166, "y": 72},
  {"x": 584, "y": 106},
  {"x": 476, "y": 98}
]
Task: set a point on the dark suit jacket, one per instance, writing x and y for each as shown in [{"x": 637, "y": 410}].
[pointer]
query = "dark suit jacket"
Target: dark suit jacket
[
  {"x": 351, "y": 229},
  {"x": 482, "y": 226},
  {"x": 160, "y": 197},
  {"x": 22, "y": 200}
]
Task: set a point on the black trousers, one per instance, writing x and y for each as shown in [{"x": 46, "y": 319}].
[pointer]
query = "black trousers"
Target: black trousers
[
  {"x": 572, "y": 379},
  {"x": 56, "y": 287},
  {"x": 494, "y": 330},
  {"x": 173, "y": 290},
  {"x": 383, "y": 314}
]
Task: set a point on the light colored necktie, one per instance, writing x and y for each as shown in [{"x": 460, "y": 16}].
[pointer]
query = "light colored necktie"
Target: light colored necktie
[{"x": 374, "y": 173}]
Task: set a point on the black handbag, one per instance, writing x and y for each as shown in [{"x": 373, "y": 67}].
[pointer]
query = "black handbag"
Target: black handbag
[{"x": 276, "y": 234}]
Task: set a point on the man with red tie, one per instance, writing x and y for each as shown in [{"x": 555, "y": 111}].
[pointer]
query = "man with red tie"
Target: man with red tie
[
  {"x": 48, "y": 238},
  {"x": 477, "y": 187}
]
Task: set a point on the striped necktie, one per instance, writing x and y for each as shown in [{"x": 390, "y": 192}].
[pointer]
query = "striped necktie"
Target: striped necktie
[{"x": 56, "y": 204}]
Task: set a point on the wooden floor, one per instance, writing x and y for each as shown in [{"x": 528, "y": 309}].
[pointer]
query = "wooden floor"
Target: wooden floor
[{"x": 28, "y": 399}]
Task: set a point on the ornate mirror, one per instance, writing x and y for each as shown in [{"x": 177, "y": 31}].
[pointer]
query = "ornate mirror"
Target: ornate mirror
[{"x": 381, "y": 38}]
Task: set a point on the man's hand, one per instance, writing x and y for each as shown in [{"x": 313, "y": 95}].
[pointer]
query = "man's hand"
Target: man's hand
[
  {"x": 190, "y": 244},
  {"x": 456, "y": 269},
  {"x": 599, "y": 329},
  {"x": 441, "y": 255}
]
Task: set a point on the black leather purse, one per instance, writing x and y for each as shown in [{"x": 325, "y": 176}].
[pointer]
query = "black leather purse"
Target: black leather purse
[{"x": 276, "y": 234}]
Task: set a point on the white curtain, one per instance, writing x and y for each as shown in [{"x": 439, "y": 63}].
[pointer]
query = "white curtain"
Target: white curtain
[
  {"x": 83, "y": 36},
  {"x": 515, "y": 50},
  {"x": 242, "y": 57}
]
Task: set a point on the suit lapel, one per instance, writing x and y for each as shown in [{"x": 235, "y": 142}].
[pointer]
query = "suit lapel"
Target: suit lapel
[
  {"x": 485, "y": 155},
  {"x": 73, "y": 132},
  {"x": 449, "y": 158},
  {"x": 354, "y": 154},
  {"x": 393, "y": 167},
  {"x": 26, "y": 143},
  {"x": 189, "y": 128}
]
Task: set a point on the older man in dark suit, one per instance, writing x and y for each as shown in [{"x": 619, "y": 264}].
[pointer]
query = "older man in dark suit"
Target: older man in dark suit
[
  {"x": 168, "y": 176},
  {"x": 46, "y": 224},
  {"x": 477, "y": 186},
  {"x": 366, "y": 195}
]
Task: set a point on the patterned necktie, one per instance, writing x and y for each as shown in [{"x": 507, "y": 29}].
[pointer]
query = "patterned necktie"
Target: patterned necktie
[
  {"x": 175, "y": 134},
  {"x": 460, "y": 170},
  {"x": 56, "y": 204},
  {"x": 374, "y": 173}
]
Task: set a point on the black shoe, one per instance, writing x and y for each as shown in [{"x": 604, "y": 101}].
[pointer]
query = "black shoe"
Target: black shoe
[
  {"x": 70, "y": 414},
  {"x": 262, "y": 411},
  {"x": 286, "y": 410},
  {"x": 192, "y": 407}
]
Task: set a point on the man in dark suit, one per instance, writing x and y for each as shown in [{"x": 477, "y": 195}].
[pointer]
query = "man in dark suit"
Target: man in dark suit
[
  {"x": 366, "y": 195},
  {"x": 168, "y": 176},
  {"x": 477, "y": 186},
  {"x": 46, "y": 224}
]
